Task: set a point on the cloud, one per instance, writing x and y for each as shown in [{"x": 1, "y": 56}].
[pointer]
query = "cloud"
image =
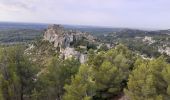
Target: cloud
[
  {"x": 17, "y": 5},
  {"x": 118, "y": 13}
]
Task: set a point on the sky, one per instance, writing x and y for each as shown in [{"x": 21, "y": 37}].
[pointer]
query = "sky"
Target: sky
[{"x": 148, "y": 14}]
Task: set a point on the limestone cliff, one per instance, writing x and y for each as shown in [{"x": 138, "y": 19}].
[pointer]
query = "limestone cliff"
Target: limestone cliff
[{"x": 67, "y": 41}]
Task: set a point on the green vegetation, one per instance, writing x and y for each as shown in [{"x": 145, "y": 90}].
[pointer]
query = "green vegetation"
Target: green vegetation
[
  {"x": 15, "y": 36},
  {"x": 103, "y": 77},
  {"x": 39, "y": 74},
  {"x": 23, "y": 79},
  {"x": 77, "y": 44},
  {"x": 134, "y": 40},
  {"x": 149, "y": 80},
  {"x": 50, "y": 81},
  {"x": 17, "y": 74},
  {"x": 36, "y": 72}
]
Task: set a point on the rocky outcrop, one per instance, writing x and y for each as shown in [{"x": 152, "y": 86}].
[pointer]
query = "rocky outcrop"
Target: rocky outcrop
[
  {"x": 65, "y": 39},
  {"x": 148, "y": 40},
  {"x": 71, "y": 52},
  {"x": 166, "y": 50}
]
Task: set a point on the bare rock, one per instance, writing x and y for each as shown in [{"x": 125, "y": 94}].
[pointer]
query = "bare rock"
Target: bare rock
[{"x": 63, "y": 39}]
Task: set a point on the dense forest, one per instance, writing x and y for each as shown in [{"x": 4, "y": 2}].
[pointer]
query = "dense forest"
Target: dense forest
[{"x": 107, "y": 75}]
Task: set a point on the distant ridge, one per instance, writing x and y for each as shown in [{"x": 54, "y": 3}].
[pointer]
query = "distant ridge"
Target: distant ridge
[
  {"x": 14, "y": 25},
  {"x": 84, "y": 28}
]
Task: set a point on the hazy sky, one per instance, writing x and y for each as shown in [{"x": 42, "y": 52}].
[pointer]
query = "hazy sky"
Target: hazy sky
[{"x": 114, "y": 13}]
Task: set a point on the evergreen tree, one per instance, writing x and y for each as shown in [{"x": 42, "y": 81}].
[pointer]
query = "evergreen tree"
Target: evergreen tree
[
  {"x": 106, "y": 75},
  {"x": 149, "y": 81},
  {"x": 50, "y": 84},
  {"x": 17, "y": 73},
  {"x": 82, "y": 86}
]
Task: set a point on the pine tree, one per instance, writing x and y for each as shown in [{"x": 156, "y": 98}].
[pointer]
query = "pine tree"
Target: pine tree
[
  {"x": 50, "y": 83},
  {"x": 105, "y": 75},
  {"x": 82, "y": 86},
  {"x": 148, "y": 80},
  {"x": 17, "y": 73}
]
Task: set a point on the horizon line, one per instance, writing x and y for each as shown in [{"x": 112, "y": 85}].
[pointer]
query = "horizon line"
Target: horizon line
[{"x": 95, "y": 26}]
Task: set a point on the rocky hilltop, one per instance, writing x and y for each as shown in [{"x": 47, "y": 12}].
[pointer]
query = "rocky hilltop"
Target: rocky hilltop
[{"x": 68, "y": 42}]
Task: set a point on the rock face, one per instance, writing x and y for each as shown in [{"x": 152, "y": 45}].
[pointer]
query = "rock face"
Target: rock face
[
  {"x": 64, "y": 39},
  {"x": 165, "y": 50},
  {"x": 52, "y": 32},
  {"x": 148, "y": 40}
]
